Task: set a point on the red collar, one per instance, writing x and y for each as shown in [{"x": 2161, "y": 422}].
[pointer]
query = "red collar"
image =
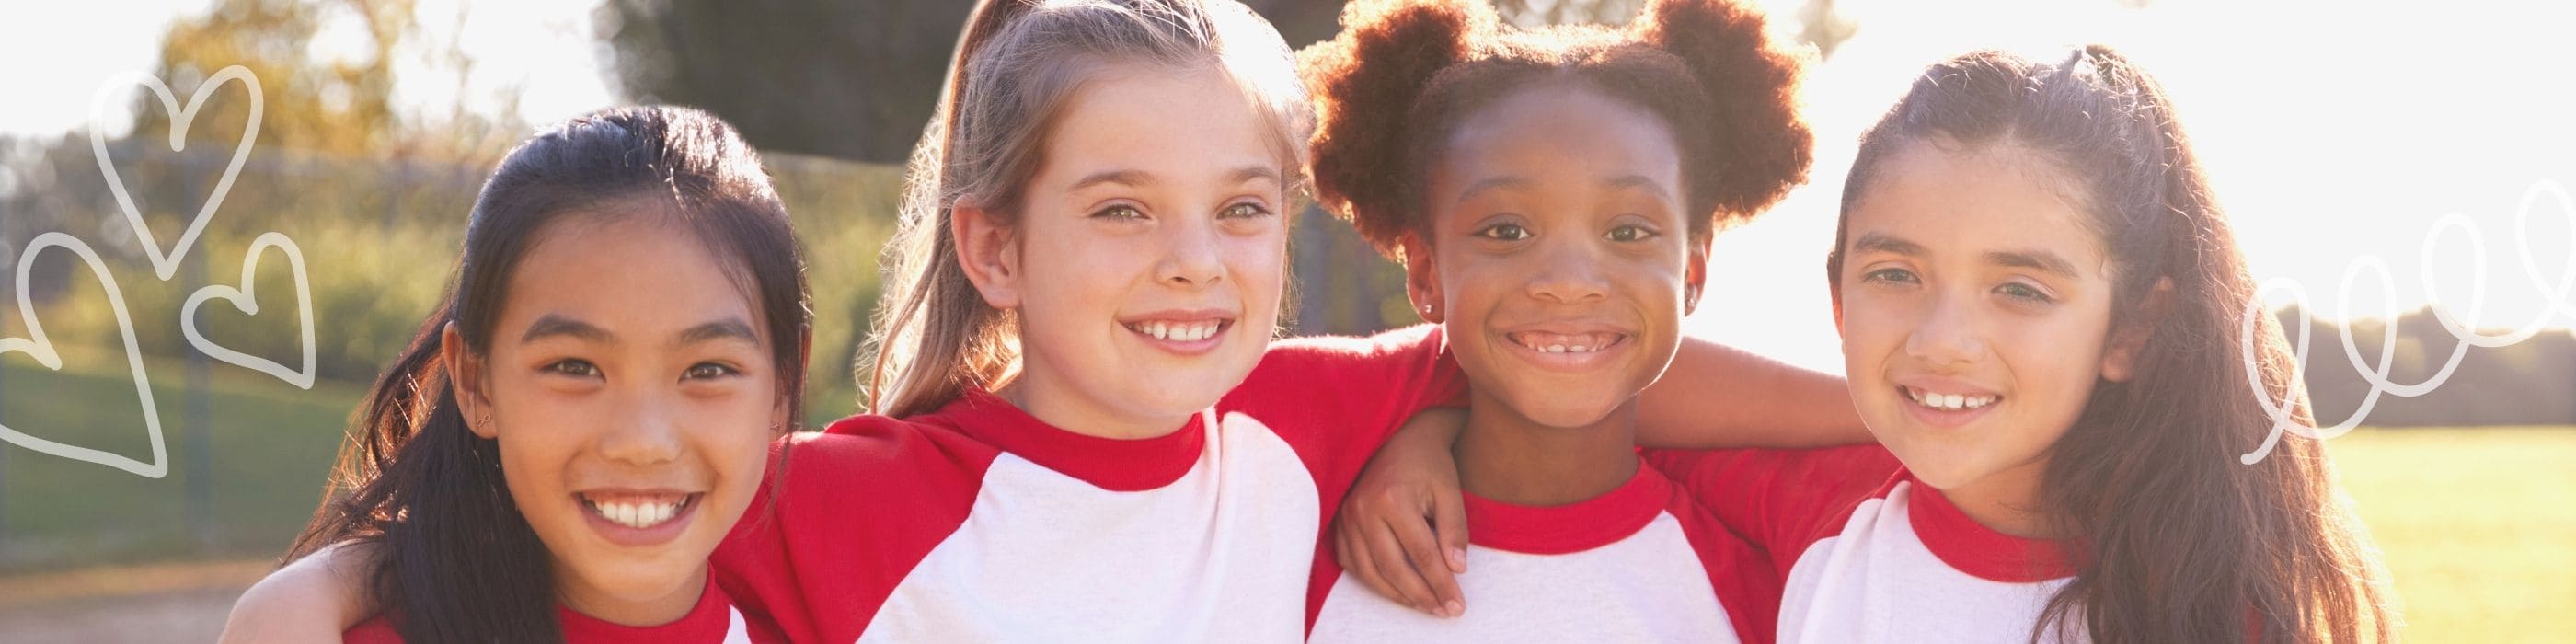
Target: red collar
[
  {"x": 1112, "y": 464},
  {"x": 1975, "y": 549},
  {"x": 1574, "y": 527}
]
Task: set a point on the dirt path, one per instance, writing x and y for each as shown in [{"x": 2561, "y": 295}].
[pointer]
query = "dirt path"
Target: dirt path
[{"x": 159, "y": 603}]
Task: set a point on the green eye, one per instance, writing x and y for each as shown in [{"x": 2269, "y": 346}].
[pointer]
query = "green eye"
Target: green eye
[
  {"x": 1119, "y": 212},
  {"x": 1244, "y": 211},
  {"x": 2021, "y": 291},
  {"x": 1890, "y": 276}
]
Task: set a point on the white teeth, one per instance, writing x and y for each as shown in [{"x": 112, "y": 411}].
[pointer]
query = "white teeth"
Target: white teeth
[
  {"x": 1586, "y": 343},
  {"x": 1951, "y": 402},
  {"x": 644, "y": 514},
  {"x": 1178, "y": 332}
]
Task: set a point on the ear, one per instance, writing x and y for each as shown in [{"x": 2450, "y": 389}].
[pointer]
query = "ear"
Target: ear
[
  {"x": 465, "y": 379},
  {"x": 1422, "y": 279},
  {"x": 1696, "y": 276},
  {"x": 989, "y": 253},
  {"x": 2119, "y": 360}
]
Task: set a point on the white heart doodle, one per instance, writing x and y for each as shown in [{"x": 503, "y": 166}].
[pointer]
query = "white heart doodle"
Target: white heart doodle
[
  {"x": 245, "y": 299},
  {"x": 36, "y": 345},
  {"x": 167, "y": 264}
]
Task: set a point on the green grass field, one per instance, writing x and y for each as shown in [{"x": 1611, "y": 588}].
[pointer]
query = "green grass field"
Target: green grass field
[
  {"x": 2477, "y": 525},
  {"x": 271, "y": 445}
]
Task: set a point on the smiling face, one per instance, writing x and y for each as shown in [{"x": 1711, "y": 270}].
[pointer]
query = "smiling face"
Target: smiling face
[
  {"x": 1149, "y": 255},
  {"x": 1560, "y": 253},
  {"x": 633, "y": 395},
  {"x": 1975, "y": 303}
]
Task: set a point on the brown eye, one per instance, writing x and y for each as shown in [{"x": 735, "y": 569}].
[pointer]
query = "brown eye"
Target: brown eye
[
  {"x": 709, "y": 371},
  {"x": 1119, "y": 212},
  {"x": 574, "y": 367},
  {"x": 1631, "y": 233},
  {"x": 1504, "y": 232}
]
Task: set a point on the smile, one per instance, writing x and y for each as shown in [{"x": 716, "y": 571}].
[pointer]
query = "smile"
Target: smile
[
  {"x": 639, "y": 511},
  {"x": 1949, "y": 402},
  {"x": 1190, "y": 331},
  {"x": 1545, "y": 342}
]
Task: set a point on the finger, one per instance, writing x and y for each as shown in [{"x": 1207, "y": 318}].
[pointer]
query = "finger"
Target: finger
[
  {"x": 1422, "y": 548},
  {"x": 1356, "y": 561},
  {"x": 1449, "y": 519},
  {"x": 1399, "y": 571}
]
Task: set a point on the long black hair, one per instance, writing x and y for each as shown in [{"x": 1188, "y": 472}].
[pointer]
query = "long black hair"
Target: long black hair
[{"x": 457, "y": 562}]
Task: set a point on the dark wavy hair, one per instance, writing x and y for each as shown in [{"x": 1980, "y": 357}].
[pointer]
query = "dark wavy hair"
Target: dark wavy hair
[
  {"x": 1404, "y": 73},
  {"x": 2181, "y": 542},
  {"x": 457, "y": 561}
]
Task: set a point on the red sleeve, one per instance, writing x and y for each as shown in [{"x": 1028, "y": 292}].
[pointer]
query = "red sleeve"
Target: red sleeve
[
  {"x": 860, "y": 504},
  {"x": 1335, "y": 400},
  {"x": 377, "y": 630},
  {"x": 1781, "y": 500}
]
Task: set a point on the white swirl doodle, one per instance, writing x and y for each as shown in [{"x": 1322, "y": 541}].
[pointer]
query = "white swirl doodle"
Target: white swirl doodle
[{"x": 2556, "y": 294}]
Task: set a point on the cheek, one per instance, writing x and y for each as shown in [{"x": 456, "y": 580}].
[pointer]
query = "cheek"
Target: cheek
[
  {"x": 1874, "y": 330},
  {"x": 1260, "y": 263}
]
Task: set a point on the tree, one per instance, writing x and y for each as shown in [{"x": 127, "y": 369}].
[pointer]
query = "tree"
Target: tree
[{"x": 853, "y": 80}]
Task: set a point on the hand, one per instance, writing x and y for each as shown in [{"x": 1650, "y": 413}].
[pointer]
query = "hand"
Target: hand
[{"x": 1402, "y": 530}]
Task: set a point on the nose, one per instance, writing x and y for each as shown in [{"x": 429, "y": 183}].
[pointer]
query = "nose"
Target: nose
[
  {"x": 1192, "y": 255},
  {"x": 1949, "y": 334},
  {"x": 645, "y": 432},
  {"x": 1569, "y": 274}
]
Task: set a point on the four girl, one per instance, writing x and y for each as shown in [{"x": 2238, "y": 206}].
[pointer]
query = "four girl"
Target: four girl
[{"x": 1085, "y": 430}]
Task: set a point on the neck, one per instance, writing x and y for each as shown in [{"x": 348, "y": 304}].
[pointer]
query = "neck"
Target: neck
[
  {"x": 1071, "y": 411},
  {"x": 2007, "y": 501},
  {"x": 1505, "y": 456},
  {"x": 590, "y": 600}
]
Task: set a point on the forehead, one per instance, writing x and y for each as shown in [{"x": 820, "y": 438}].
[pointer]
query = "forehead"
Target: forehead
[
  {"x": 624, "y": 269},
  {"x": 1967, "y": 200},
  {"x": 1161, "y": 119},
  {"x": 1563, "y": 125}
]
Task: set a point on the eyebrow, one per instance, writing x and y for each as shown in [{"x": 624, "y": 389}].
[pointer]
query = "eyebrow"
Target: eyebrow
[
  {"x": 553, "y": 325},
  {"x": 2038, "y": 260},
  {"x": 1637, "y": 181},
  {"x": 725, "y": 329},
  {"x": 1129, "y": 178},
  {"x": 1137, "y": 178},
  {"x": 1494, "y": 183},
  {"x": 1642, "y": 182},
  {"x": 1885, "y": 243}
]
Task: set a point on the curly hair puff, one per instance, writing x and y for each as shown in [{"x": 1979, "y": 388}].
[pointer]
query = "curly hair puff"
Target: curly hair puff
[{"x": 1403, "y": 74}]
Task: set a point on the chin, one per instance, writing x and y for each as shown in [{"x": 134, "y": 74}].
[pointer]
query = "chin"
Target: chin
[{"x": 1568, "y": 416}]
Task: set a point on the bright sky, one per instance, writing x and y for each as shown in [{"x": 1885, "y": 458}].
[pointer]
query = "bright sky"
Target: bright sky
[{"x": 2333, "y": 132}]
